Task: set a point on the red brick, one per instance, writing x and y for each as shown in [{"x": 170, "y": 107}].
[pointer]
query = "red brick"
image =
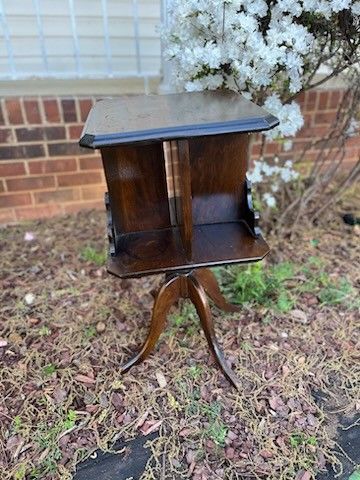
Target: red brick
[
  {"x": 6, "y": 135},
  {"x": 15, "y": 200},
  {"x": 44, "y": 211},
  {"x": 271, "y": 147},
  {"x": 79, "y": 179},
  {"x": 301, "y": 98},
  {"x": 93, "y": 193},
  {"x": 51, "y": 166},
  {"x": 54, "y": 133},
  {"x": 256, "y": 149},
  {"x": 11, "y": 169},
  {"x": 77, "y": 207},
  {"x": 7, "y": 215},
  {"x": 32, "y": 111},
  {"x": 311, "y": 98},
  {"x": 308, "y": 119},
  {"x": 40, "y": 133},
  {"x": 85, "y": 105},
  {"x": 323, "y": 100},
  {"x": 21, "y": 151},
  {"x": 57, "y": 196},
  {"x": 353, "y": 142},
  {"x": 30, "y": 183},
  {"x": 29, "y": 134},
  {"x": 313, "y": 132},
  {"x": 13, "y": 108},
  {"x": 52, "y": 111},
  {"x": 2, "y": 187},
  {"x": 335, "y": 99},
  {"x": 90, "y": 163},
  {"x": 69, "y": 110},
  {"x": 75, "y": 131},
  {"x": 324, "y": 118},
  {"x": 299, "y": 145},
  {"x": 66, "y": 148}
]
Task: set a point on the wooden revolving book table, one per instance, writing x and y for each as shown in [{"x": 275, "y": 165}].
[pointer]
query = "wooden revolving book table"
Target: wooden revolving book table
[{"x": 178, "y": 200}]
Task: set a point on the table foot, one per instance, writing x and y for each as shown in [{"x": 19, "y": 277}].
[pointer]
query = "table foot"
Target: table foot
[
  {"x": 187, "y": 285},
  {"x": 168, "y": 294},
  {"x": 211, "y": 286},
  {"x": 198, "y": 297}
]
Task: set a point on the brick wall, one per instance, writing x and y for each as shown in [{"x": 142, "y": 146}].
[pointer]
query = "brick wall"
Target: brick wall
[{"x": 43, "y": 171}]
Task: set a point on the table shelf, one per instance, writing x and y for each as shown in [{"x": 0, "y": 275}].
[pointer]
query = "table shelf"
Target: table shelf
[{"x": 162, "y": 250}]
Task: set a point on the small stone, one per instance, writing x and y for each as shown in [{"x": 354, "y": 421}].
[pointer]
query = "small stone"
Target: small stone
[
  {"x": 29, "y": 237},
  {"x": 161, "y": 379},
  {"x": 34, "y": 321},
  {"x": 3, "y": 343},
  {"x": 29, "y": 298},
  {"x": 229, "y": 453},
  {"x": 265, "y": 454},
  {"x": 100, "y": 327},
  {"x": 299, "y": 316}
]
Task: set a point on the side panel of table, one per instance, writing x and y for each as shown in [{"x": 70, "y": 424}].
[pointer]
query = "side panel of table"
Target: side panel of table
[{"x": 136, "y": 180}]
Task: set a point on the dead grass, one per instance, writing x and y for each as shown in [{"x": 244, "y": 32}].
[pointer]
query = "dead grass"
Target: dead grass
[{"x": 61, "y": 394}]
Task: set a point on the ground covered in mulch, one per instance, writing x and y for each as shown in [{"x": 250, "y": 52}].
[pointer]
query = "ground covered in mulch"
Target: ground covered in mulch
[{"x": 66, "y": 326}]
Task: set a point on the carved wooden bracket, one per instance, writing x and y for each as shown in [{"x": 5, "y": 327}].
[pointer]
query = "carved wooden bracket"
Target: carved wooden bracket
[
  {"x": 110, "y": 227},
  {"x": 251, "y": 217}
]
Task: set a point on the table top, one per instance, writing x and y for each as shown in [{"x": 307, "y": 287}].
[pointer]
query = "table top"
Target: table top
[{"x": 142, "y": 118}]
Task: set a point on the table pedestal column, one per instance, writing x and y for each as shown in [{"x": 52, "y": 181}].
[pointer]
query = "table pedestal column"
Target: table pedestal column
[{"x": 195, "y": 285}]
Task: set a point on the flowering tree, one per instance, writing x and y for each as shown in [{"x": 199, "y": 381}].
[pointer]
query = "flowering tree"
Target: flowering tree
[{"x": 269, "y": 50}]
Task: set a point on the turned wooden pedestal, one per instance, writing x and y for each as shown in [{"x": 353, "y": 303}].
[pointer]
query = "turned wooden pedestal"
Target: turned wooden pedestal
[
  {"x": 178, "y": 200},
  {"x": 195, "y": 285}
]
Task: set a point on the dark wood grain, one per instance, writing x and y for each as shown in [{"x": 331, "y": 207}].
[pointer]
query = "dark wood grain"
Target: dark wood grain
[
  {"x": 136, "y": 182},
  {"x": 250, "y": 216},
  {"x": 160, "y": 251},
  {"x": 183, "y": 285},
  {"x": 136, "y": 118},
  {"x": 198, "y": 297},
  {"x": 205, "y": 135},
  {"x": 169, "y": 293},
  {"x": 208, "y": 280},
  {"x": 184, "y": 202},
  {"x": 218, "y": 169}
]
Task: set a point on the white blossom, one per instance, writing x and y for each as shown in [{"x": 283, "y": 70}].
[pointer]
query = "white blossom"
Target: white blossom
[
  {"x": 291, "y": 119},
  {"x": 206, "y": 35},
  {"x": 269, "y": 199},
  {"x": 353, "y": 128}
]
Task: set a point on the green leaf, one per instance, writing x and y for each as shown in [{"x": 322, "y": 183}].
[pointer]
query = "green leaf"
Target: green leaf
[{"x": 49, "y": 370}]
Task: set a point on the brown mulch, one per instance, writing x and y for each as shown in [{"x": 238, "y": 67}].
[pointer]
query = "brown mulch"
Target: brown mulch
[{"x": 66, "y": 326}]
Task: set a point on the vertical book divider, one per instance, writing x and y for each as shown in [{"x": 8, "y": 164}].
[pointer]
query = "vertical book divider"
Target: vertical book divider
[{"x": 182, "y": 184}]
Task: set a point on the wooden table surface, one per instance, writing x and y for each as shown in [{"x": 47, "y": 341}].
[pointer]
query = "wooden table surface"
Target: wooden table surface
[{"x": 139, "y": 118}]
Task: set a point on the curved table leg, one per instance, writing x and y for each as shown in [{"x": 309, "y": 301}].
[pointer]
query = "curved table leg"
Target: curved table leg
[
  {"x": 168, "y": 294},
  {"x": 198, "y": 297},
  {"x": 211, "y": 286}
]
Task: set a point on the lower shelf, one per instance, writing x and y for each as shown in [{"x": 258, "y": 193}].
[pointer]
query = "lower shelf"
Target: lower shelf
[{"x": 158, "y": 251}]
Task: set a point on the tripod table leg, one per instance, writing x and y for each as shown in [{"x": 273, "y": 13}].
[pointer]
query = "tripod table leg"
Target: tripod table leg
[
  {"x": 168, "y": 294},
  {"x": 198, "y": 297},
  {"x": 211, "y": 286}
]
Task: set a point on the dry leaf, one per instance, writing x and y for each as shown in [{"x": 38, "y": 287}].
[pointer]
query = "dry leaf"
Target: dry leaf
[
  {"x": 299, "y": 316},
  {"x": 150, "y": 427},
  {"x": 142, "y": 419},
  {"x": 84, "y": 379}
]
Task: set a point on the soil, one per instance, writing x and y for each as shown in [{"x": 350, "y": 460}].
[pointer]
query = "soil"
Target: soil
[{"x": 67, "y": 325}]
